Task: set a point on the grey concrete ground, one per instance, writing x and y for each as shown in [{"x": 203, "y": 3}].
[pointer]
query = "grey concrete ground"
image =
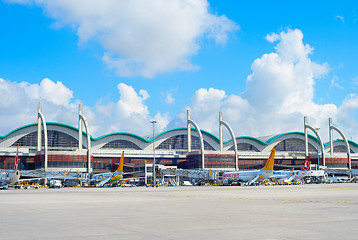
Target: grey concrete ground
[{"x": 271, "y": 212}]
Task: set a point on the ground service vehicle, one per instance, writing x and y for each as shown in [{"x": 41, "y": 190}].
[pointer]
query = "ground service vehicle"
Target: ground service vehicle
[{"x": 55, "y": 184}]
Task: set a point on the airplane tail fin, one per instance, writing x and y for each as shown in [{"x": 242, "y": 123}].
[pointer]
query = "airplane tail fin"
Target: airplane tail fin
[
  {"x": 120, "y": 166},
  {"x": 17, "y": 158},
  {"x": 270, "y": 161},
  {"x": 306, "y": 164}
]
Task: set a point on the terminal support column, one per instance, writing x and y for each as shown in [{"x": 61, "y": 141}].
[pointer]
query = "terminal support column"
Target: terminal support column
[
  {"x": 189, "y": 122},
  {"x": 331, "y": 128},
  {"x": 80, "y": 122},
  {"x": 189, "y": 130},
  {"x": 82, "y": 118},
  {"x": 41, "y": 121},
  {"x": 221, "y": 123},
  {"x": 306, "y": 127}
]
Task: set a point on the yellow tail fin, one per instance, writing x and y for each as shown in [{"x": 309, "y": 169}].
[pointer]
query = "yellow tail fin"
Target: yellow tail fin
[
  {"x": 270, "y": 161},
  {"x": 120, "y": 166}
]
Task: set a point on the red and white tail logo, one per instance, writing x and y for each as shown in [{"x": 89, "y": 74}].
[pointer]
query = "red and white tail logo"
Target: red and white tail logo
[{"x": 306, "y": 164}]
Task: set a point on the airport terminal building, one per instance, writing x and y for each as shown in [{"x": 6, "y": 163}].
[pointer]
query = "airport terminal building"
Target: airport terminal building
[{"x": 55, "y": 147}]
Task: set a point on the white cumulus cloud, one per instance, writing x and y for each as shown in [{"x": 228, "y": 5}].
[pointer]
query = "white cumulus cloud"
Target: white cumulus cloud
[
  {"x": 129, "y": 113},
  {"x": 279, "y": 93},
  {"x": 19, "y": 101},
  {"x": 168, "y": 97},
  {"x": 141, "y": 37}
]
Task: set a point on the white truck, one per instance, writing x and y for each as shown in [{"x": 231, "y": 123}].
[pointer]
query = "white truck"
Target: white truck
[
  {"x": 187, "y": 183},
  {"x": 55, "y": 184}
]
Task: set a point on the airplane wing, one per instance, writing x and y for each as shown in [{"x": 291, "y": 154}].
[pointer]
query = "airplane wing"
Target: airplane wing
[{"x": 30, "y": 179}]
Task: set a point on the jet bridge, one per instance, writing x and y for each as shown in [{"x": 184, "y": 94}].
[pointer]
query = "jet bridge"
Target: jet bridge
[{"x": 191, "y": 174}]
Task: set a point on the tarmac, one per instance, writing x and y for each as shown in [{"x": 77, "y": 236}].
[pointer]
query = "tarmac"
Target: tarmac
[{"x": 322, "y": 211}]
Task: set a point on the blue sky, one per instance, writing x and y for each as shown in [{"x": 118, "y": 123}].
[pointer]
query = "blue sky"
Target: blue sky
[{"x": 129, "y": 63}]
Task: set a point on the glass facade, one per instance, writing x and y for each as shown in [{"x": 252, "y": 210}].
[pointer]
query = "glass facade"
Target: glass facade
[
  {"x": 104, "y": 164},
  {"x": 245, "y": 147},
  {"x": 180, "y": 142},
  {"x": 295, "y": 146},
  {"x": 29, "y": 140},
  {"x": 57, "y": 141},
  {"x": 58, "y": 164},
  {"x": 341, "y": 149},
  {"x": 121, "y": 144}
]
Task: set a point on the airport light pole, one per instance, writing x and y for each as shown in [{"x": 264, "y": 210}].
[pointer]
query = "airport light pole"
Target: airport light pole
[
  {"x": 317, "y": 149},
  {"x": 154, "y": 178}
]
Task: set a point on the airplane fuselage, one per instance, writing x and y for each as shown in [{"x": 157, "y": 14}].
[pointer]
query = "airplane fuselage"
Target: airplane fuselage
[
  {"x": 9, "y": 177},
  {"x": 246, "y": 176},
  {"x": 301, "y": 174},
  {"x": 297, "y": 174}
]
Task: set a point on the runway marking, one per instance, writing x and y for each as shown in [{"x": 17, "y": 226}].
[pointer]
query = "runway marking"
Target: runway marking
[
  {"x": 297, "y": 200},
  {"x": 116, "y": 193},
  {"x": 257, "y": 199}
]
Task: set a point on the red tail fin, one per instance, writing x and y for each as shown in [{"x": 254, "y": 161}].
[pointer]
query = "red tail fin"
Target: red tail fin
[
  {"x": 306, "y": 164},
  {"x": 17, "y": 158}
]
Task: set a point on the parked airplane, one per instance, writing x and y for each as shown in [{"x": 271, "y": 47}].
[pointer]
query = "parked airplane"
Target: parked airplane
[
  {"x": 252, "y": 176},
  {"x": 284, "y": 177},
  {"x": 289, "y": 176},
  {"x": 100, "y": 178},
  {"x": 305, "y": 170},
  {"x": 10, "y": 177},
  {"x": 110, "y": 178}
]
